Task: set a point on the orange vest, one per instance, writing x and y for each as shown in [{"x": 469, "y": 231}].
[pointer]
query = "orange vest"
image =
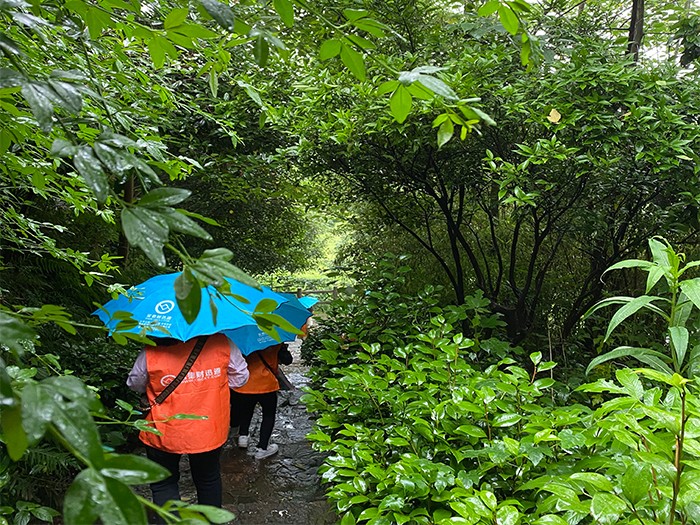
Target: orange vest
[
  {"x": 261, "y": 380},
  {"x": 204, "y": 391}
]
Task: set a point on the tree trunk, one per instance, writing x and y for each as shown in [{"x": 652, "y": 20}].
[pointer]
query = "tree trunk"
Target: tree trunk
[
  {"x": 123, "y": 250},
  {"x": 636, "y": 29}
]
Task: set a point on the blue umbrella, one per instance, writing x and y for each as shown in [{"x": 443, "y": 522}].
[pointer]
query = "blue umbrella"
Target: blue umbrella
[
  {"x": 251, "y": 338},
  {"x": 308, "y": 301},
  {"x": 153, "y": 305}
]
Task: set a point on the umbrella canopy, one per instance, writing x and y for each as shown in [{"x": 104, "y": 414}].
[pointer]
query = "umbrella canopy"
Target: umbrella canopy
[
  {"x": 252, "y": 338},
  {"x": 307, "y": 301},
  {"x": 153, "y": 305}
]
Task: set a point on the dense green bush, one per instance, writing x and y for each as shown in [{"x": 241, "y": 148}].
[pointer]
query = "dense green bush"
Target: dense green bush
[
  {"x": 382, "y": 311},
  {"x": 419, "y": 432}
]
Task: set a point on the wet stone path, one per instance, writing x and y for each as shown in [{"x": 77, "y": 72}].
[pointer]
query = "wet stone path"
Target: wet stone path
[{"x": 284, "y": 489}]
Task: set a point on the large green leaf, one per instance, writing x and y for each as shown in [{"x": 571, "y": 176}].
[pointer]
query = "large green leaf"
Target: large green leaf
[
  {"x": 97, "y": 20},
  {"x": 625, "y": 351},
  {"x": 445, "y": 132},
  {"x": 353, "y": 60},
  {"x": 362, "y": 43},
  {"x": 691, "y": 288},
  {"x": 38, "y": 410},
  {"x": 400, "y": 103},
  {"x": 178, "y": 222},
  {"x": 261, "y": 50},
  {"x": 437, "y": 86},
  {"x": 157, "y": 51},
  {"x": 279, "y": 322},
  {"x": 508, "y": 18},
  {"x": 79, "y": 432},
  {"x": 93, "y": 495},
  {"x": 660, "y": 252},
  {"x": 13, "y": 332},
  {"x": 655, "y": 273},
  {"x": 66, "y": 96},
  {"x": 481, "y": 115},
  {"x": 116, "y": 140},
  {"x": 10, "y": 78},
  {"x": 656, "y": 363},
  {"x": 593, "y": 479},
  {"x": 679, "y": 342},
  {"x": 632, "y": 307},
  {"x": 92, "y": 172},
  {"x": 175, "y": 18},
  {"x": 164, "y": 197},
  {"x": 637, "y": 482},
  {"x": 285, "y": 9},
  {"x": 63, "y": 148},
  {"x": 117, "y": 160},
  {"x": 189, "y": 295},
  {"x": 631, "y": 263},
  {"x": 79, "y": 507},
  {"x": 507, "y": 515},
  {"x": 38, "y": 96},
  {"x": 213, "y": 514},
  {"x": 216, "y": 262},
  {"x": 220, "y": 12},
  {"x": 148, "y": 230},
  {"x": 73, "y": 389},
  {"x": 371, "y": 26},
  {"x": 630, "y": 381},
  {"x": 14, "y": 436},
  {"x": 133, "y": 470},
  {"x": 669, "y": 420},
  {"x": 7, "y": 394},
  {"x": 607, "y": 508},
  {"x": 266, "y": 306},
  {"x": 9, "y": 46},
  {"x": 488, "y": 8}
]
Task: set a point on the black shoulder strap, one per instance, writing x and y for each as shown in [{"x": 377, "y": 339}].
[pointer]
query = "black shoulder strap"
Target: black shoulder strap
[{"x": 201, "y": 340}]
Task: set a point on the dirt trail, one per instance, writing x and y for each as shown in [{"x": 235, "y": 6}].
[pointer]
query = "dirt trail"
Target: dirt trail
[{"x": 284, "y": 489}]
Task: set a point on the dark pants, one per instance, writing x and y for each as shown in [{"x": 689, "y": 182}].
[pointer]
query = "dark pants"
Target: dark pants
[
  {"x": 206, "y": 474},
  {"x": 242, "y": 408}
]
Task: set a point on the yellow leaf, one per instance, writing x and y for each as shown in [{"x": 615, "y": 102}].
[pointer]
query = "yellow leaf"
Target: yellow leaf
[{"x": 554, "y": 116}]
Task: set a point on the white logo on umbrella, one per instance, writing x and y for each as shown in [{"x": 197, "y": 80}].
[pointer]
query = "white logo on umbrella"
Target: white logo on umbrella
[{"x": 164, "y": 307}]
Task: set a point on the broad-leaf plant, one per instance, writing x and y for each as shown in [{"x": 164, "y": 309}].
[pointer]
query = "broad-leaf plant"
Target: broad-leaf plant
[{"x": 433, "y": 428}]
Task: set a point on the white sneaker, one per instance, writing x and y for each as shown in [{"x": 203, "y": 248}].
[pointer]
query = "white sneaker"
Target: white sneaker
[
  {"x": 263, "y": 453},
  {"x": 243, "y": 441}
]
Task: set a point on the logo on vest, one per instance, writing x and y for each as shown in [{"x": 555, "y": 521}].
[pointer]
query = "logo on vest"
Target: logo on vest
[
  {"x": 164, "y": 307},
  {"x": 166, "y": 380}
]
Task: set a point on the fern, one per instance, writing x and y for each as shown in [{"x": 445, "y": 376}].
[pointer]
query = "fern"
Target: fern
[{"x": 41, "y": 476}]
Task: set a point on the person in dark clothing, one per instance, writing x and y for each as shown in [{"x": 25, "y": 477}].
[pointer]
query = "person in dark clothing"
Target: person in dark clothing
[
  {"x": 203, "y": 391},
  {"x": 261, "y": 388}
]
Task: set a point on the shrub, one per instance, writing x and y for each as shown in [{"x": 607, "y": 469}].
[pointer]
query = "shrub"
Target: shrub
[{"x": 420, "y": 432}]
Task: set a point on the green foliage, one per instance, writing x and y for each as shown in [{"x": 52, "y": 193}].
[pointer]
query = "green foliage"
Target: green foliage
[
  {"x": 423, "y": 436},
  {"x": 27, "y": 512},
  {"x": 675, "y": 309},
  {"x": 687, "y": 32},
  {"x": 65, "y": 416},
  {"x": 41, "y": 476},
  {"x": 380, "y": 309},
  {"x": 588, "y": 159}
]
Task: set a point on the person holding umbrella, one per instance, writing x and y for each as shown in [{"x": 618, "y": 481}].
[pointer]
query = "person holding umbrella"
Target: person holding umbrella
[
  {"x": 264, "y": 353},
  {"x": 202, "y": 370},
  {"x": 261, "y": 388}
]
